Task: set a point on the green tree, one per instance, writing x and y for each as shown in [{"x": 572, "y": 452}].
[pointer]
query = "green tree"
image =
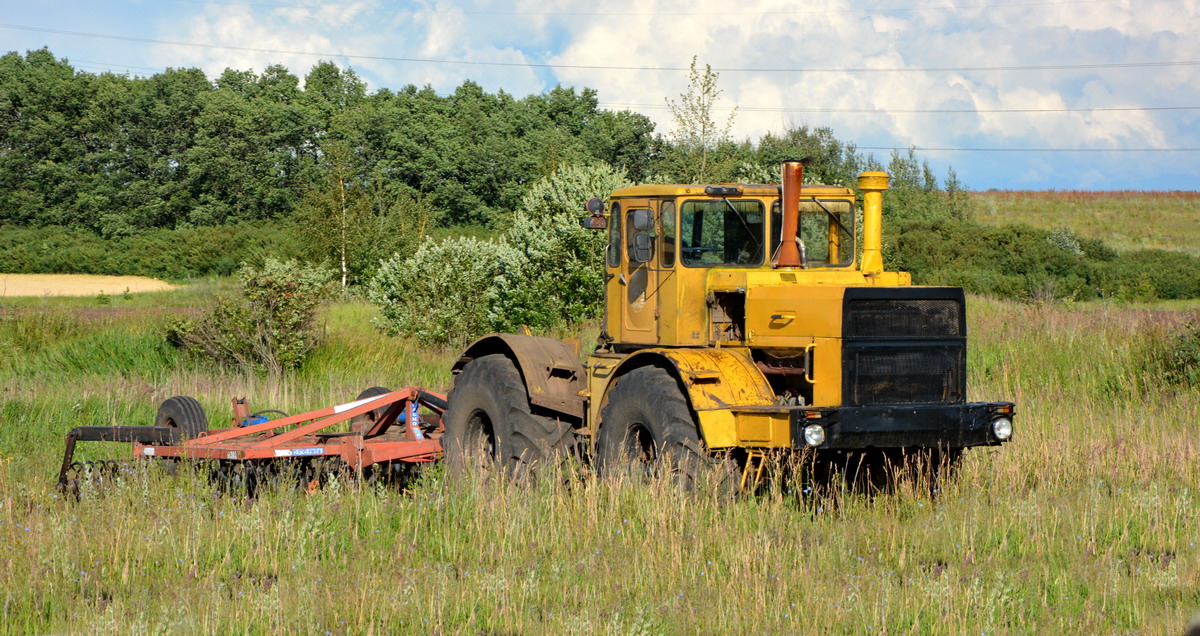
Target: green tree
[
  {"x": 698, "y": 138},
  {"x": 333, "y": 214}
]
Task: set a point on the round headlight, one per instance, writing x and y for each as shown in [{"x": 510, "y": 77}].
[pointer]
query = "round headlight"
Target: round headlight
[
  {"x": 814, "y": 435},
  {"x": 1002, "y": 428}
]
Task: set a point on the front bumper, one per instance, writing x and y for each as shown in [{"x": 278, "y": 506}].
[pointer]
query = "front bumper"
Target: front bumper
[{"x": 902, "y": 426}]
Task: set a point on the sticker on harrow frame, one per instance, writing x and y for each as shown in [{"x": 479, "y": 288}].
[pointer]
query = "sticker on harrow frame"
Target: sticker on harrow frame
[
  {"x": 300, "y": 452},
  {"x": 283, "y": 453},
  {"x": 342, "y": 408},
  {"x": 414, "y": 420},
  {"x": 149, "y": 450}
]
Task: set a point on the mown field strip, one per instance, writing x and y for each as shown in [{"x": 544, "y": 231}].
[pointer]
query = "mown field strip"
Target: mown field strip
[{"x": 77, "y": 285}]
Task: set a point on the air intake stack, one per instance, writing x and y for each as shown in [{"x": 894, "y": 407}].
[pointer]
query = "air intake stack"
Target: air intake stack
[{"x": 872, "y": 185}]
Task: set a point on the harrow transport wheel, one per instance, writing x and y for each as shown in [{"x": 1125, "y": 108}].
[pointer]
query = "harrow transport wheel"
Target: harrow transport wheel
[
  {"x": 647, "y": 429},
  {"x": 489, "y": 424},
  {"x": 365, "y": 420},
  {"x": 184, "y": 413}
]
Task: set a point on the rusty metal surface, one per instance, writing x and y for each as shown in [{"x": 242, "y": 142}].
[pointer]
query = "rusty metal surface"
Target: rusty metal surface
[
  {"x": 793, "y": 180},
  {"x": 551, "y": 369}
]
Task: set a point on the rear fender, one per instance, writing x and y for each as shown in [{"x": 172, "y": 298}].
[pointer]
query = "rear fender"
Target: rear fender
[{"x": 550, "y": 369}]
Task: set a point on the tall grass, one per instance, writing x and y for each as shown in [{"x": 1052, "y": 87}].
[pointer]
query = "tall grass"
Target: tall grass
[
  {"x": 1086, "y": 523},
  {"x": 1122, "y": 219}
]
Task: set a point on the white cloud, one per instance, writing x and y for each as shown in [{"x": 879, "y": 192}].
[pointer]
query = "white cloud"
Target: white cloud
[
  {"x": 1100, "y": 32},
  {"x": 771, "y": 34},
  {"x": 362, "y": 30}
]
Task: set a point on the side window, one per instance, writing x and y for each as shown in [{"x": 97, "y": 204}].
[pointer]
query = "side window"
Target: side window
[
  {"x": 614, "y": 236},
  {"x": 776, "y": 229},
  {"x": 667, "y": 212}
]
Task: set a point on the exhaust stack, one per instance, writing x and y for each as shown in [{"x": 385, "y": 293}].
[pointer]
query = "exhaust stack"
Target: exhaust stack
[
  {"x": 791, "y": 182},
  {"x": 872, "y": 185}
]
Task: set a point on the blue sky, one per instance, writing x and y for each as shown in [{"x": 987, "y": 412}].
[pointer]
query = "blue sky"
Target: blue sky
[{"x": 1126, "y": 89}]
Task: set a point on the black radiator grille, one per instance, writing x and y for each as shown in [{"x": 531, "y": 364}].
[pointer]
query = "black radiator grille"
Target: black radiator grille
[
  {"x": 903, "y": 318},
  {"x": 905, "y": 375}
]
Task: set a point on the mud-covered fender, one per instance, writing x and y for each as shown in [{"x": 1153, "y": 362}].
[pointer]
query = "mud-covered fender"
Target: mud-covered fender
[
  {"x": 550, "y": 368},
  {"x": 716, "y": 381}
]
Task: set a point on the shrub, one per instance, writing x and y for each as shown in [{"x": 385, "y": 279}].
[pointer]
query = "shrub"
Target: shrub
[
  {"x": 1176, "y": 358},
  {"x": 443, "y": 293},
  {"x": 1165, "y": 274},
  {"x": 270, "y": 328},
  {"x": 181, "y": 253},
  {"x": 544, "y": 270},
  {"x": 567, "y": 190},
  {"x": 560, "y": 275},
  {"x": 1013, "y": 261},
  {"x": 558, "y": 278}
]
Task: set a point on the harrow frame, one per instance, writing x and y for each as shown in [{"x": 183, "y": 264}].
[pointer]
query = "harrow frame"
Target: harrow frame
[{"x": 395, "y": 436}]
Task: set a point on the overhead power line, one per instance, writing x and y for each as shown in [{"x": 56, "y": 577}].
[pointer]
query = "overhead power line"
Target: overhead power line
[
  {"x": 598, "y": 67},
  {"x": 108, "y": 66},
  {"x": 932, "y": 149},
  {"x": 782, "y": 109},
  {"x": 126, "y": 67},
  {"x": 651, "y": 14}
]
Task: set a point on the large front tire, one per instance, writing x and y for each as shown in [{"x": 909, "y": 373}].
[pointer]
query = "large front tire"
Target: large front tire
[
  {"x": 489, "y": 424},
  {"x": 647, "y": 429}
]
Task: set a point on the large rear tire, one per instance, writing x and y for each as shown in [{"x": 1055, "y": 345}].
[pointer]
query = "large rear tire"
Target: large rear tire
[
  {"x": 489, "y": 425},
  {"x": 184, "y": 413},
  {"x": 647, "y": 429}
]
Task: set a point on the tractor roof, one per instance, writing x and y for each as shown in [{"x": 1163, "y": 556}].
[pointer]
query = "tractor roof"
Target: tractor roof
[{"x": 748, "y": 189}]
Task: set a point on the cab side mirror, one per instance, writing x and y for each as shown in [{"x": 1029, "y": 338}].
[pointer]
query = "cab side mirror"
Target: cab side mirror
[{"x": 643, "y": 221}]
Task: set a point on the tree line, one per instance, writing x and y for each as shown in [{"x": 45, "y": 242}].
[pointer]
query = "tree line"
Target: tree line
[
  {"x": 176, "y": 175},
  {"x": 120, "y": 155}
]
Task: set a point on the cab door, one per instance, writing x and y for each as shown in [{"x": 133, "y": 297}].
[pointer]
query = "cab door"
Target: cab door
[{"x": 638, "y": 277}]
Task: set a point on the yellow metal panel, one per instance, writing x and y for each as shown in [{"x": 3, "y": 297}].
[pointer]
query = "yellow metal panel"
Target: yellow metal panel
[
  {"x": 731, "y": 428},
  {"x": 763, "y": 428},
  {"x": 718, "y": 428},
  {"x": 690, "y": 321},
  {"x": 827, "y": 371},
  {"x": 600, "y": 371},
  {"x": 792, "y": 315}
]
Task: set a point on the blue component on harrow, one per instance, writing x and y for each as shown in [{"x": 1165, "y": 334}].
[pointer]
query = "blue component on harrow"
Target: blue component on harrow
[{"x": 251, "y": 420}]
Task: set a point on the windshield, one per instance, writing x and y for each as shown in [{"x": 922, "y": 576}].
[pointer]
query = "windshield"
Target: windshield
[
  {"x": 721, "y": 232},
  {"x": 826, "y": 231}
]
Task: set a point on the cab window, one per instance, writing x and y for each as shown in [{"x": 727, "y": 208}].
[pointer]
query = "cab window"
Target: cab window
[
  {"x": 721, "y": 232},
  {"x": 826, "y": 230},
  {"x": 667, "y": 251},
  {"x": 614, "y": 236}
]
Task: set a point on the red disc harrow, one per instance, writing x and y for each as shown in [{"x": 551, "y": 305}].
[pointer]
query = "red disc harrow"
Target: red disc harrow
[{"x": 384, "y": 430}]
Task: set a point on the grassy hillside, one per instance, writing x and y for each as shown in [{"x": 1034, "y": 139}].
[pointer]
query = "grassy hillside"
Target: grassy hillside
[
  {"x": 1086, "y": 523},
  {"x": 1122, "y": 219}
]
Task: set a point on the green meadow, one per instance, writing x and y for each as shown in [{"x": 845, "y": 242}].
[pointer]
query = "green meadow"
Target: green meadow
[
  {"x": 1124, "y": 220},
  {"x": 1088, "y": 522}
]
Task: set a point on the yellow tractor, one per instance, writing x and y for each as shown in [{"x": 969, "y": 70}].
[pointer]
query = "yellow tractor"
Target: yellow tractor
[{"x": 741, "y": 319}]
